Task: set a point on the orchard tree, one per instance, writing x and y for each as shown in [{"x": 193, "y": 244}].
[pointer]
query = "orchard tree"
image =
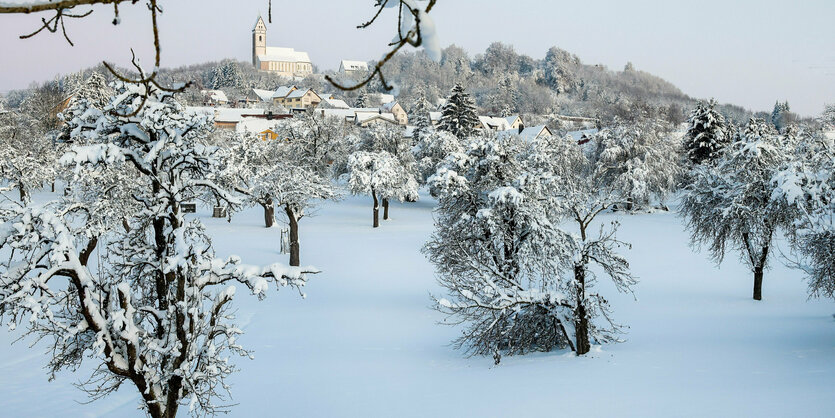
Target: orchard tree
[
  {"x": 577, "y": 189},
  {"x": 155, "y": 311},
  {"x": 707, "y": 134},
  {"x": 730, "y": 204},
  {"x": 27, "y": 154},
  {"x": 639, "y": 159},
  {"x": 270, "y": 174},
  {"x": 392, "y": 141},
  {"x": 517, "y": 280},
  {"x": 380, "y": 175},
  {"x": 459, "y": 114}
]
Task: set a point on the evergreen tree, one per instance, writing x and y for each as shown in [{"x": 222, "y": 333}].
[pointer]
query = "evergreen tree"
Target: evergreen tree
[
  {"x": 420, "y": 118},
  {"x": 362, "y": 100},
  {"x": 706, "y": 135},
  {"x": 459, "y": 116},
  {"x": 780, "y": 115}
]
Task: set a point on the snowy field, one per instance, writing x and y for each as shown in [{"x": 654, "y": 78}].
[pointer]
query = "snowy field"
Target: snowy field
[{"x": 366, "y": 344}]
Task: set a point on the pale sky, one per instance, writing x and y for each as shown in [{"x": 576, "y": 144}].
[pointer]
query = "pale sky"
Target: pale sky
[{"x": 745, "y": 52}]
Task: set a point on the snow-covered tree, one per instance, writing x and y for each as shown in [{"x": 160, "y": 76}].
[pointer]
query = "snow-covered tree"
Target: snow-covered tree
[
  {"x": 707, "y": 134},
  {"x": 420, "y": 118},
  {"x": 503, "y": 101},
  {"x": 828, "y": 116},
  {"x": 807, "y": 185},
  {"x": 95, "y": 90},
  {"x": 639, "y": 159},
  {"x": 27, "y": 154},
  {"x": 730, "y": 204},
  {"x": 432, "y": 149},
  {"x": 402, "y": 184},
  {"x": 154, "y": 311},
  {"x": 518, "y": 281},
  {"x": 458, "y": 116},
  {"x": 270, "y": 173},
  {"x": 362, "y": 100},
  {"x": 781, "y": 116},
  {"x": 578, "y": 190},
  {"x": 380, "y": 175},
  {"x": 226, "y": 75}
]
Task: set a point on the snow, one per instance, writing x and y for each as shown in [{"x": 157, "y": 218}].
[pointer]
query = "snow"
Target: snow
[{"x": 365, "y": 343}]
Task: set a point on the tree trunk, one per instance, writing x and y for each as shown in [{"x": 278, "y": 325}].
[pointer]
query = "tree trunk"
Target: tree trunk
[
  {"x": 376, "y": 209},
  {"x": 22, "y": 192},
  {"x": 52, "y": 189},
  {"x": 385, "y": 209},
  {"x": 294, "y": 235},
  {"x": 269, "y": 212},
  {"x": 758, "y": 283},
  {"x": 581, "y": 319}
]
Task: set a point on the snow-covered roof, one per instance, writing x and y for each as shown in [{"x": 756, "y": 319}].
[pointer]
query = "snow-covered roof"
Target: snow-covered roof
[
  {"x": 512, "y": 119},
  {"x": 494, "y": 123},
  {"x": 385, "y": 98},
  {"x": 388, "y": 106},
  {"x": 435, "y": 116},
  {"x": 579, "y": 135},
  {"x": 283, "y": 91},
  {"x": 255, "y": 125},
  {"x": 264, "y": 95},
  {"x": 347, "y": 65},
  {"x": 299, "y": 93},
  {"x": 529, "y": 134},
  {"x": 335, "y": 103},
  {"x": 281, "y": 54},
  {"x": 366, "y": 117},
  {"x": 226, "y": 114},
  {"x": 339, "y": 113},
  {"x": 216, "y": 95}
]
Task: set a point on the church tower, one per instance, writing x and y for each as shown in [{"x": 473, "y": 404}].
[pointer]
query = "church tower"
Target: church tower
[{"x": 259, "y": 40}]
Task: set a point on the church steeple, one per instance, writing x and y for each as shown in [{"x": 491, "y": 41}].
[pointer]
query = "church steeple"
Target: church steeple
[{"x": 259, "y": 40}]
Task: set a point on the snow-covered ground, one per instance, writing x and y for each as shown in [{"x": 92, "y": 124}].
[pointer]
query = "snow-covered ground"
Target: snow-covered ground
[{"x": 365, "y": 342}]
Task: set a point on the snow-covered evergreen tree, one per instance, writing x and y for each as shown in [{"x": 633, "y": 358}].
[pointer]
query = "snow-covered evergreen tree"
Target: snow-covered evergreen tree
[
  {"x": 459, "y": 114},
  {"x": 780, "y": 116},
  {"x": 227, "y": 75},
  {"x": 155, "y": 311},
  {"x": 807, "y": 185},
  {"x": 420, "y": 118},
  {"x": 730, "y": 204},
  {"x": 706, "y": 135}
]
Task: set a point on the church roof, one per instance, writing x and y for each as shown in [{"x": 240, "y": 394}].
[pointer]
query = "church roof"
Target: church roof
[{"x": 284, "y": 55}]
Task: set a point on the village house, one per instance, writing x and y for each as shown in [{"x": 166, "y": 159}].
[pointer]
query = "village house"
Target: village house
[
  {"x": 399, "y": 113},
  {"x": 350, "y": 67},
  {"x": 286, "y": 62},
  {"x": 214, "y": 98}
]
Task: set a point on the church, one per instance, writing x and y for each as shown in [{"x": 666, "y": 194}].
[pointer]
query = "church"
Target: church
[{"x": 283, "y": 61}]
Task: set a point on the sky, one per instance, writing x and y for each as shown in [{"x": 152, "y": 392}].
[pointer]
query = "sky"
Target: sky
[{"x": 749, "y": 53}]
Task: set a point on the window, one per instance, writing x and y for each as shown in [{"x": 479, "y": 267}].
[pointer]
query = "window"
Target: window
[{"x": 259, "y": 38}]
